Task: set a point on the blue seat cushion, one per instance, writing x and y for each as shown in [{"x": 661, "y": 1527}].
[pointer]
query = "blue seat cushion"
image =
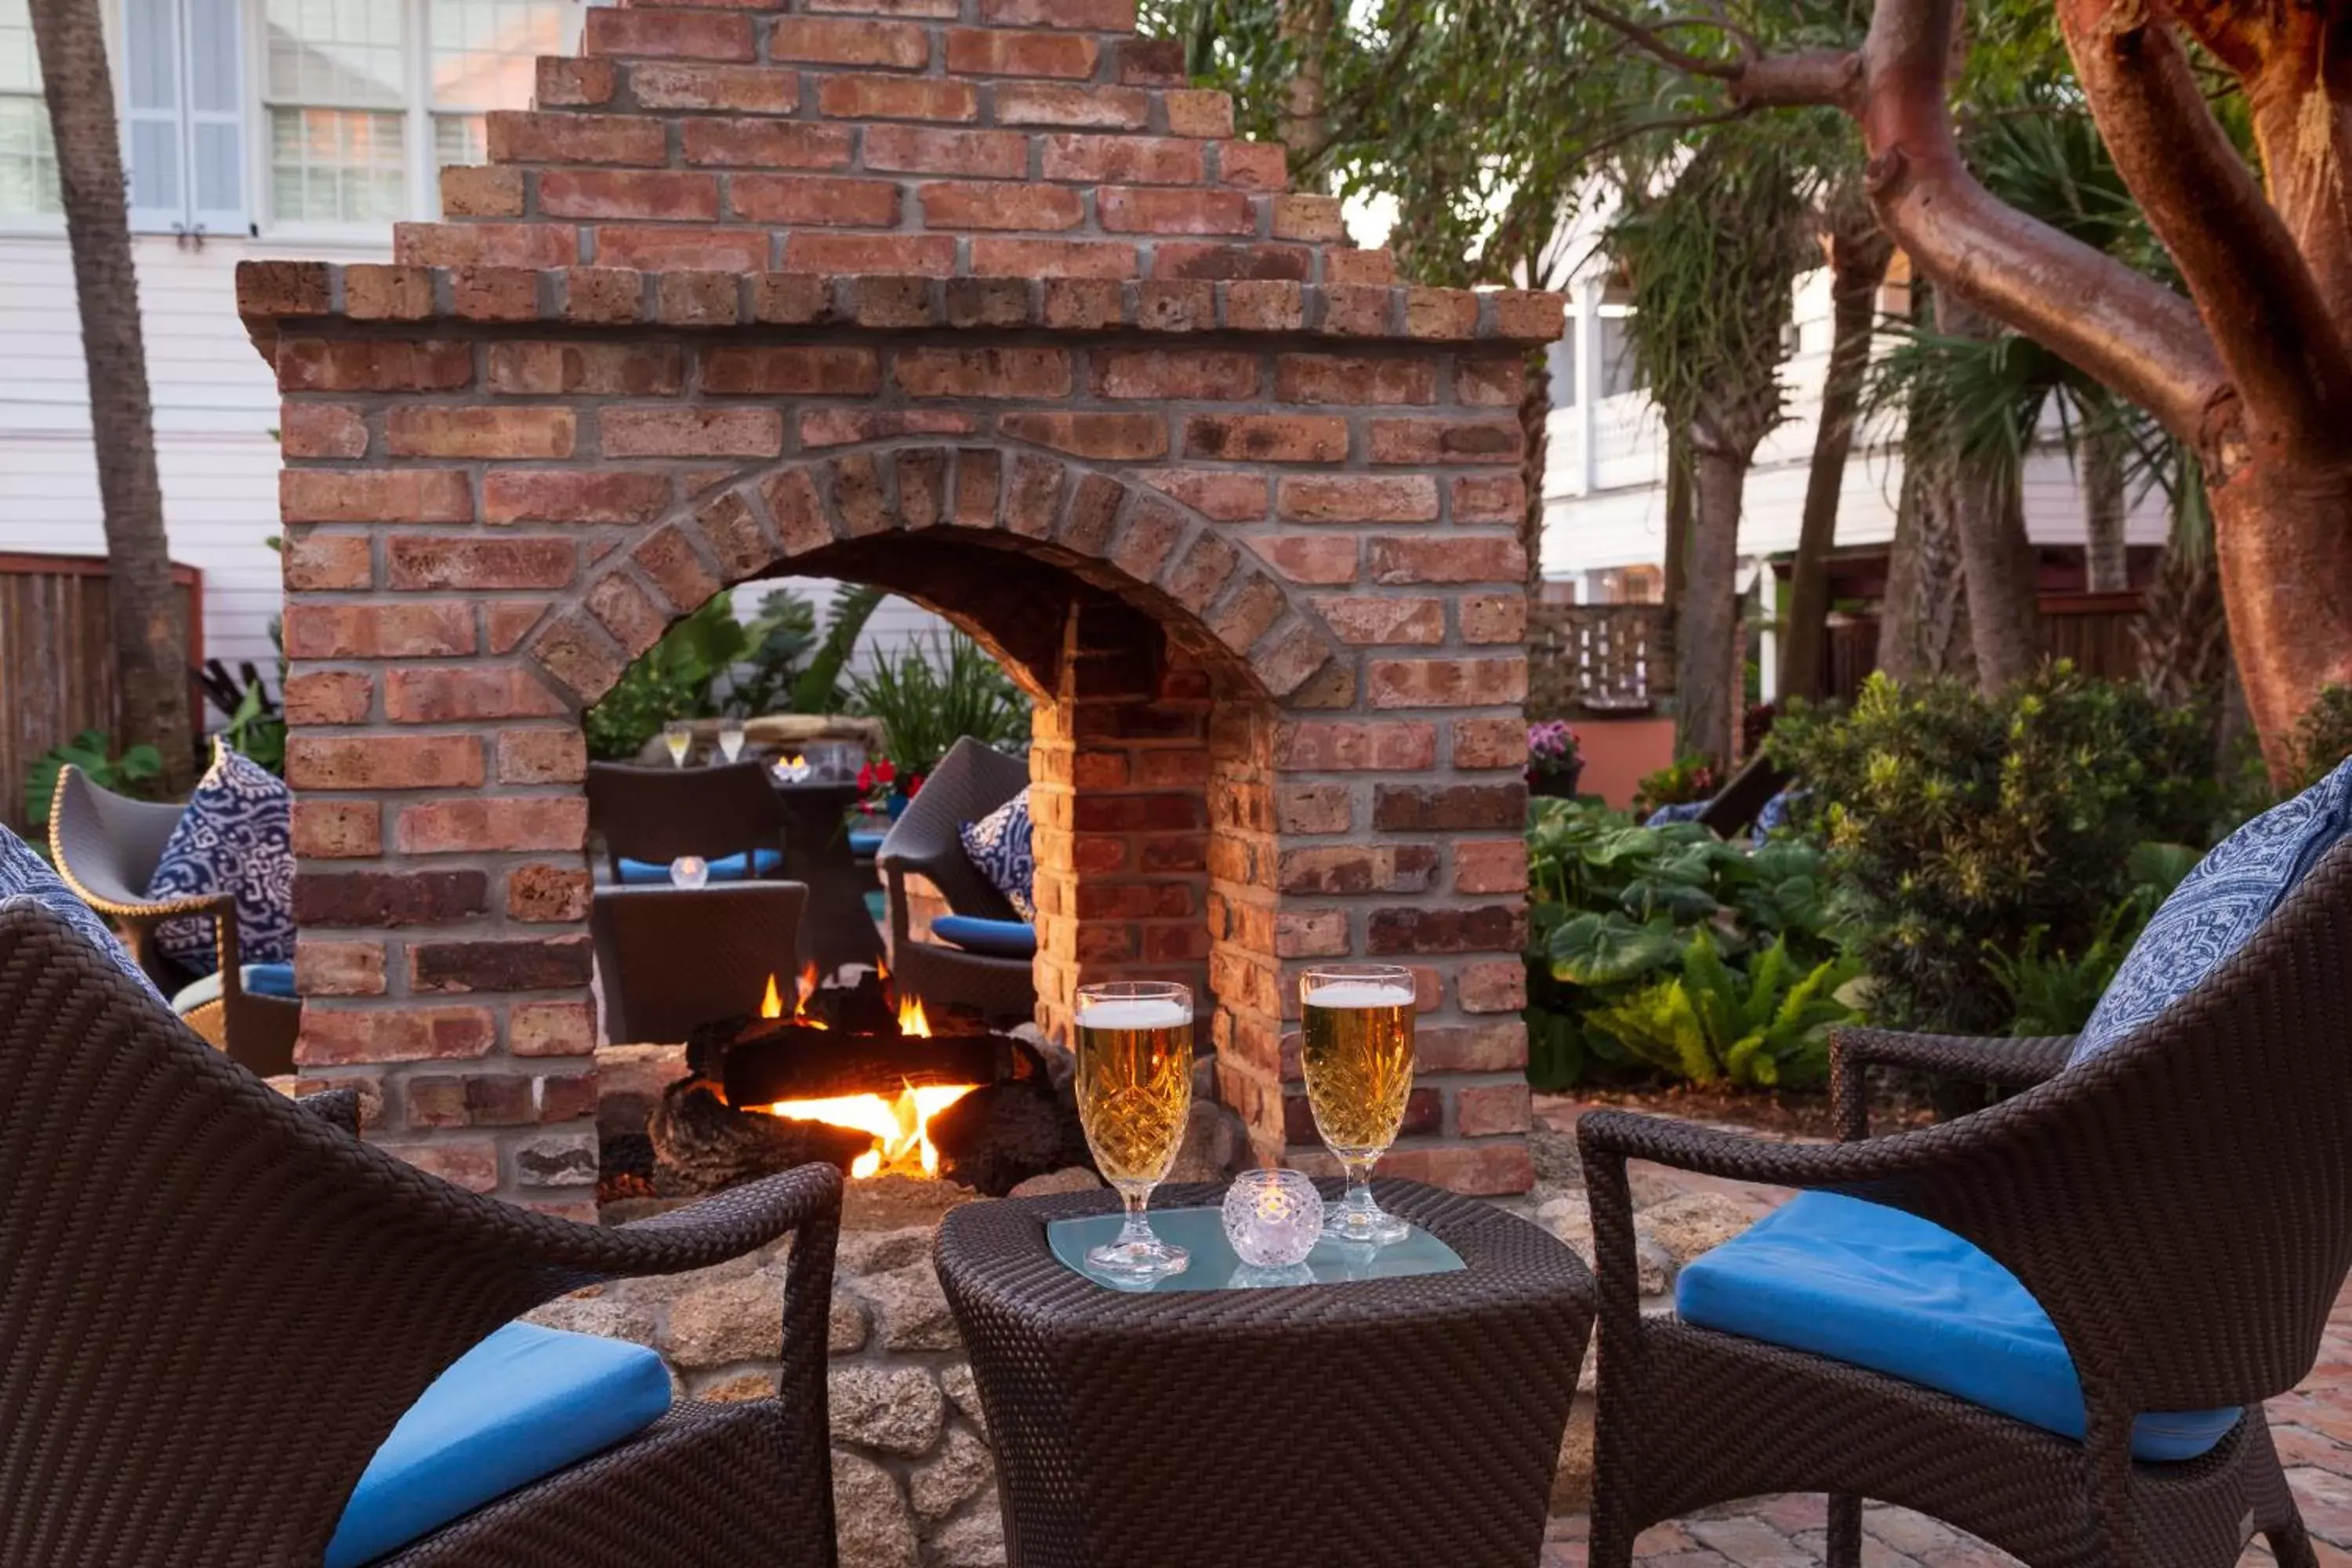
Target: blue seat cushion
[
  {"x": 997, "y": 939},
  {"x": 1877, "y": 1288},
  {"x": 725, "y": 869},
  {"x": 865, "y": 846},
  {"x": 24, "y": 875},
  {"x": 236, "y": 837},
  {"x": 523, "y": 1403},
  {"x": 2217, "y": 907},
  {"x": 998, "y": 847},
  {"x": 1683, "y": 811},
  {"x": 257, "y": 979}
]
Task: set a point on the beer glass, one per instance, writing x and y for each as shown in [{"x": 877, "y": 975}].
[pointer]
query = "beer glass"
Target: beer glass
[
  {"x": 731, "y": 738},
  {"x": 1356, "y": 1020},
  {"x": 678, "y": 736},
  {"x": 1135, "y": 1091}
]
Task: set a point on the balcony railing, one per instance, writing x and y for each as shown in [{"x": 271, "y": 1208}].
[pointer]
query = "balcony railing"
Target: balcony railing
[{"x": 1598, "y": 658}]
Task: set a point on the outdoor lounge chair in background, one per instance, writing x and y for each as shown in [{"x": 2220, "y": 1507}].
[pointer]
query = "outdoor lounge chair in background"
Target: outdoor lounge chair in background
[
  {"x": 971, "y": 780},
  {"x": 648, "y": 817},
  {"x": 2178, "y": 1205},
  {"x": 673, "y": 959},
  {"x": 220, "y": 1304},
  {"x": 106, "y": 847}
]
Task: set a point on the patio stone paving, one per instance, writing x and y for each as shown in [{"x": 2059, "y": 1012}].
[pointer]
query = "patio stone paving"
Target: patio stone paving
[{"x": 2313, "y": 1427}]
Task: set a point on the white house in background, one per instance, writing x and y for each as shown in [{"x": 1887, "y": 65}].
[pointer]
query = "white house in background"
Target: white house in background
[
  {"x": 251, "y": 129},
  {"x": 1604, "y": 479}
]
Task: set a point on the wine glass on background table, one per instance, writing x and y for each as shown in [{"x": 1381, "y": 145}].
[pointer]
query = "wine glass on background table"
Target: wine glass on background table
[
  {"x": 678, "y": 736},
  {"x": 1135, "y": 1091},
  {"x": 1357, "y": 1050},
  {"x": 731, "y": 738}
]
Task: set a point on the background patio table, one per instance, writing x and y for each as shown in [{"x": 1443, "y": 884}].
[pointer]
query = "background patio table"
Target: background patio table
[
  {"x": 837, "y": 927},
  {"x": 1398, "y": 1422}
]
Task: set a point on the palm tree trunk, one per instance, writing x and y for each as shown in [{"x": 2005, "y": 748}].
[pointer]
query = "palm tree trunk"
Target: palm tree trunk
[
  {"x": 1996, "y": 557},
  {"x": 1535, "y": 433},
  {"x": 1706, "y": 633},
  {"x": 2106, "y": 567},
  {"x": 1306, "y": 121},
  {"x": 1859, "y": 257},
  {"x": 150, "y": 628}
]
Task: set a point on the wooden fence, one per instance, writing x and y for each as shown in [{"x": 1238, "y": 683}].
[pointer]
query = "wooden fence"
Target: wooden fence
[
  {"x": 57, "y": 659},
  {"x": 1597, "y": 659}
]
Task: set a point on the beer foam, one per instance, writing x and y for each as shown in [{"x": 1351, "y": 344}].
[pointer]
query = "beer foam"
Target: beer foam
[
  {"x": 1361, "y": 993},
  {"x": 1134, "y": 1012}
]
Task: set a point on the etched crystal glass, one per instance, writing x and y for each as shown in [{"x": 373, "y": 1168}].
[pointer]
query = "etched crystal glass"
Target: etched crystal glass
[{"x": 1357, "y": 1023}]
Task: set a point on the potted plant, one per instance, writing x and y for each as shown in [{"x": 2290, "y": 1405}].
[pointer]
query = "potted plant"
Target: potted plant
[{"x": 1554, "y": 761}]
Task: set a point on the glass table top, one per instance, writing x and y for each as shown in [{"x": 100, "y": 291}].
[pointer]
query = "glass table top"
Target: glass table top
[{"x": 1216, "y": 1267}]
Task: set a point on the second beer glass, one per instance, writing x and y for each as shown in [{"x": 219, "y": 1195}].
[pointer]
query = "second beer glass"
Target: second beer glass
[
  {"x": 1357, "y": 1021},
  {"x": 1135, "y": 1091}
]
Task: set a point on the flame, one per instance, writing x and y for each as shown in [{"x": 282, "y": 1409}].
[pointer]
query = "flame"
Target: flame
[
  {"x": 808, "y": 989},
  {"x": 900, "y": 1127},
  {"x": 911, "y": 1022},
  {"x": 772, "y": 1006}
]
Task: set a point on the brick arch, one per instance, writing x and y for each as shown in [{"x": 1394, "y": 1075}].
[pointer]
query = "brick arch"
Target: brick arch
[{"x": 912, "y": 518}]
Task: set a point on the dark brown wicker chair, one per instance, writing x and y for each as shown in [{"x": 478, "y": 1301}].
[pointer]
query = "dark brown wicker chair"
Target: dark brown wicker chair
[
  {"x": 673, "y": 959},
  {"x": 1735, "y": 806},
  {"x": 218, "y": 1305},
  {"x": 655, "y": 815},
  {"x": 106, "y": 846},
  {"x": 2181, "y": 1205},
  {"x": 971, "y": 780}
]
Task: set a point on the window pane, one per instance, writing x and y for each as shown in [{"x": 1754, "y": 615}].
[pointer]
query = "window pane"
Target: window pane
[
  {"x": 345, "y": 52},
  {"x": 459, "y": 139},
  {"x": 20, "y": 71},
  {"x": 483, "y": 51},
  {"x": 336, "y": 165},
  {"x": 28, "y": 163},
  {"x": 1620, "y": 371}
]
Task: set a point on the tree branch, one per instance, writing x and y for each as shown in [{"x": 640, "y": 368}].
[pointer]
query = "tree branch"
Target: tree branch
[
  {"x": 2250, "y": 280},
  {"x": 1652, "y": 41},
  {"x": 2113, "y": 322}
]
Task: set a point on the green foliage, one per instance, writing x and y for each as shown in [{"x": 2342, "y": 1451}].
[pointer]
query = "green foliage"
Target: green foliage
[
  {"x": 1680, "y": 782},
  {"x": 1959, "y": 824},
  {"x": 1617, "y": 910},
  {"x": 819, "y": 688},
  {"x": 777, "y": 638},
  {"x": 1764, "y": 1028},
  {"x": 136, "y": 772},
  {"x": 675, "y": 678},
  {"x": 2323, "y": 736},
  {"x": 257, "y": 731},
  {"x": 2054, "y": 993},
  {"x": 932, "y": 694}
]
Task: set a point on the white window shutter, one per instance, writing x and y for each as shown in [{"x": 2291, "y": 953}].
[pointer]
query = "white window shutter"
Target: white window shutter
[
  {"x": 216, "y": 118},
  {"x": 154, "y": 147}
]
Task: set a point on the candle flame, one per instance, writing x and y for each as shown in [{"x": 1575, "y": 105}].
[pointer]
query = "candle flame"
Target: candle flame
[{"x": 772, "y": 1006}]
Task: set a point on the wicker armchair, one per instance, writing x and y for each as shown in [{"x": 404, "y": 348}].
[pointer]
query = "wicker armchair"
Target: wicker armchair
[
  {"x": 971, "y": 780},
  {"x": 219, "y": 1303},
  {"x": 655, "y": 815},
  {"x": 2181, "y": 1205},
  {"x": 106, "y": 847},
  {"x": 673, "y": 959}
]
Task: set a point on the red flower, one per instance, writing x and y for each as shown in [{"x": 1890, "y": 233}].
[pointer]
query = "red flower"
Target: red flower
[
  {"x": 865, "y": 777},
  {"x": 914, "y": 786},
  {"x": 885, "y": 771}
]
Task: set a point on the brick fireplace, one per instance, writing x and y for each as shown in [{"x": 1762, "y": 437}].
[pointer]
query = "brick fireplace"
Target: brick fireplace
[{"x": 976, "y": 301}]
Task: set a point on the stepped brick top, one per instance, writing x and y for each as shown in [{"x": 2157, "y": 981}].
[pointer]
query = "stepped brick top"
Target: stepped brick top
[{"x": 884, "y": 162}]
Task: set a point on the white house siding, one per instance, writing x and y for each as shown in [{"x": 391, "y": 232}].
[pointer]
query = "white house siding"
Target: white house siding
[
  {"x": 1604, "y": 479},
  {"x": 216, "y": 409}
]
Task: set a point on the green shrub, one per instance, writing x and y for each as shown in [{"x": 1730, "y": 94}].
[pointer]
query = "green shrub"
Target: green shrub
[
  {"x": 1764, "y": 1028},
  {"x": 1617, "y": 910},
  {"x": 1683, "y": 780},
  {"x": 1965, "y": 830},
  {"x": 136, "y": 772},
  {"x": 2322, "y": 737},
  {"x": 932, "y": 693}
]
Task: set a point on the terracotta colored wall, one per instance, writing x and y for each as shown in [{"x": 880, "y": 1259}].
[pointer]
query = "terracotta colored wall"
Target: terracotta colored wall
[{"x": 1619, "y": 752}]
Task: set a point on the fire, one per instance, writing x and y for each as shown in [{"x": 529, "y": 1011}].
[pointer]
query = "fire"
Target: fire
[
  {"x": 808, "y": 989},
  {"x": 911, "y": 1022},
  {"x": 900, "y": 1127},
  {"x": 772, "y": 1006}
]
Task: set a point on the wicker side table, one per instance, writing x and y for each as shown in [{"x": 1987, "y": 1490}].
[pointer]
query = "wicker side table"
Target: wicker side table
[{"x": 1410, "y": 1421}]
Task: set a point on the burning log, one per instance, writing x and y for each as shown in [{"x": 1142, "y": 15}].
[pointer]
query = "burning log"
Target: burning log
[{"x": 709, "y": 1145}]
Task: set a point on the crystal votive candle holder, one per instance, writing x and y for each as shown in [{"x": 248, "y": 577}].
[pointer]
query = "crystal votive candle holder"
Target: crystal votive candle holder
[
  {"x": 1273, "y": 1218},
  {"x": 690, "y": 872}
]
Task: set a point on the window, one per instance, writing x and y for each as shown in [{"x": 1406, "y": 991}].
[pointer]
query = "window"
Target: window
[
  {"x": 1620, "y": 370},
  {"x": 29, "y": 160},
  {"x": 366, "y": 98},
  {"x": 1560, "y": 359}
]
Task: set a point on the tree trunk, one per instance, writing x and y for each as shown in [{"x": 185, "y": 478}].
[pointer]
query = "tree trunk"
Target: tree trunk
[
  {"x": 150, "y": 630},
  {"x": 1996, "y": 557},
  {"x": 1859, "y": 257},
  {"x": 2182, "y": 637},
  {"x": 2106, "y": 563},
  {"x": 1923, "y": 623},
  {"x": 1535, "y": 433},
  {"x": 1706, "y": 633},
  {"x": 1306, "y": 125},
  {"x": 2288, "y": 584}
]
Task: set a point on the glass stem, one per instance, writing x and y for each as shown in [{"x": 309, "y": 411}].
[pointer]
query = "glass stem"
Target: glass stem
[
  {"x": 1137, "y": 1229},
  {"x": 1359, "y": 1183}
]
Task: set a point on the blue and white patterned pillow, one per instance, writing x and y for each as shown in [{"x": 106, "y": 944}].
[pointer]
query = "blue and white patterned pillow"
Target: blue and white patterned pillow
[
  {"x": 24, "y": 875},
  {"x": 998, "y": 844},
  {"x": 236, "y": 837},
  {"x": 2217, "y": 907},
  {"x": 1681, "y": 811}
]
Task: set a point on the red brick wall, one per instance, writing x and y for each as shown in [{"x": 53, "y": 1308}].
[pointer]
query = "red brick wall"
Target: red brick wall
[{"x": 985, "y": 306}]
